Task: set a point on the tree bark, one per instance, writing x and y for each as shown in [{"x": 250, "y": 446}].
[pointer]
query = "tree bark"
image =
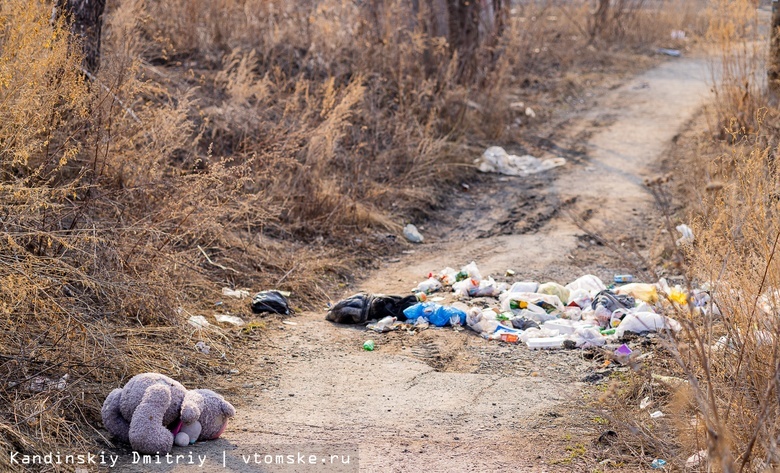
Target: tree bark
[
  {"x": 86, "y": 17},
  {"x": 464, "y": 33},
  {"x": 773, "y": 68},
  {"x": 600, "y": 19}
]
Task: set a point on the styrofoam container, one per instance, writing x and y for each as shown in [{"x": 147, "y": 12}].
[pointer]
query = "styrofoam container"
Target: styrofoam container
[{"x": 546, "y": 343}]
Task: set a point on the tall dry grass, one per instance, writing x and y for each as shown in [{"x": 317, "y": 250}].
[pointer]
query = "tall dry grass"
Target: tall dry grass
[
  {"x": 730, "y": 356},
  {"x": 235, "y": 142}
]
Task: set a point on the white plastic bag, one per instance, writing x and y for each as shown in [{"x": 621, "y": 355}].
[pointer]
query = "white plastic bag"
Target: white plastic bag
[
  {"x": 428, "y": 286},
  {"x": 589, "y": 282},
  {"x": 639, "y": 322}
]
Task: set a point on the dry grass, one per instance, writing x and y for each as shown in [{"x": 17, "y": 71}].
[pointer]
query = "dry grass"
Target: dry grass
[
  {"x": 730, "y": 356},
  {"x": 265, "y": 135}
]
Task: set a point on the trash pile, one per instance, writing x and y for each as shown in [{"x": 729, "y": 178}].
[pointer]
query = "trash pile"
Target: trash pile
[{"x": 581, "y": 314}]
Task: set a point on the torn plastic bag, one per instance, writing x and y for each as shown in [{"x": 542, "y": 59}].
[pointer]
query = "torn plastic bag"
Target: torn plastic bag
[
  {"x": 612, "y": 301},
  {"x": 362, "y": 307},
  {"x": 270, "y": 301}
]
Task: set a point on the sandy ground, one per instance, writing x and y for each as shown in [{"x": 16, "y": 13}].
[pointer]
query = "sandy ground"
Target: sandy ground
[{"x": 447, "y": 400}]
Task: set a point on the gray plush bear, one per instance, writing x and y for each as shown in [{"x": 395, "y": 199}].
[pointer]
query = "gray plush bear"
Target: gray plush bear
[{"x": 153, "y": 411}]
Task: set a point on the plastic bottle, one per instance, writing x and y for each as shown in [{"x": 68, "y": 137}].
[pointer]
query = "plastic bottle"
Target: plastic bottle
[{"x": 368, "y": 345}]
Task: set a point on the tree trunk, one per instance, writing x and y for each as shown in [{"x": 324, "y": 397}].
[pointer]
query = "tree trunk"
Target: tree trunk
[
  {"x": 600, "y": 19},
  {"x": 773, "y": 68},
  {"x": 464, "y": 33},
  {"x": 86, "y": 17}
]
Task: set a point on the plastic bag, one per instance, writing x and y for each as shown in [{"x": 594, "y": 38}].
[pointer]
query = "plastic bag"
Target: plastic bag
[
  {"x": 472, "y": 271},
  {"x": 588, "y": 282},
  {"x": 590, "y": 336},
  {"x": 524, "y": 286},
  {"x": 270, "y": 301},
  {"x": 524, "y": 300},
  {"x": 641, "y": 291},
  {"x": 612, "y": 301},
  {"x": 361, "y": 307},
  {"x": 436, "y": 314},
  {"x": 555, "y": 289},
  {"x": 428, "y": 286},
  {"x": 448, "y": 276},
  {"x": 645, "y": 322}
]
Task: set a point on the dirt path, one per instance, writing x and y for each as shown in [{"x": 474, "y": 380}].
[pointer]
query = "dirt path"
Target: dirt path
[{"x": 444, "y": 400}]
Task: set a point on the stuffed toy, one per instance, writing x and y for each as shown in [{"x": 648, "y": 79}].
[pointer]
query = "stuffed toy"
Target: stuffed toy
[{"x": 153, "y": 411}]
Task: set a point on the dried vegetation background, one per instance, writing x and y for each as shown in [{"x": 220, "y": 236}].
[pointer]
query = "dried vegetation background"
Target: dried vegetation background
[
  {"x": 242, "y": 143},
  {"x": 722, "y": 404}
]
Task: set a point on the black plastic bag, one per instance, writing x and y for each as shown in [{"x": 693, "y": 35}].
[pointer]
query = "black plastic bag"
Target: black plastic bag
[
  {"x": 522, "y": 323},
  {"x": 270, "y": 301},
  {"x": 612, "y": 301},
  {"x": 362, "y": 307}
]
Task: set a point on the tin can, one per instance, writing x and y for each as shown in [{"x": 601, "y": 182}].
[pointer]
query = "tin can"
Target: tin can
[{"x": 624, "y": 278}]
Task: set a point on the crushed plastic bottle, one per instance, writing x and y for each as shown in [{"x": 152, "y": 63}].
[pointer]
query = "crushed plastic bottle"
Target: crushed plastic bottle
[
  {"x": 384, "y": 325},
  {"x": 658, "y": 464},
  {"x": 368, "y": 345}
]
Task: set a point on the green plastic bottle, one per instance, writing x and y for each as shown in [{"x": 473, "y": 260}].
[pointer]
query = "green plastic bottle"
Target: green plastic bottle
[{"x": 368, "y": 345}]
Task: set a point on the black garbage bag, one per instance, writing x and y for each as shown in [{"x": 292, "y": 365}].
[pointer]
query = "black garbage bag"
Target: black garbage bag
[
  {"x": 270, "y": 301},
  {"x": 362, "y": 307},
  {"x": 612, "y": 301},
  {"x": 522, "y": 323}
]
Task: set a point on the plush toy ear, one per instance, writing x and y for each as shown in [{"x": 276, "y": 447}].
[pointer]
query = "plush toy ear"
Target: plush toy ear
[{"x": 228, "y": 409}]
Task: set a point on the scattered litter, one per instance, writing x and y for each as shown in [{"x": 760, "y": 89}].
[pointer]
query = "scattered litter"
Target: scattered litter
[
  {"x": 203, "y": 348},
  {"x": 623, "y": 350},
  {"x": 672, "y": 381},
  {"x": 509, "y": 273},
  {"x": 368, "y": 345},
  {"x": 199, "y": 322},
  {"x": 289, "y": 322},
  {"x": 678, "y": 34},
  {"x": 687, "y": 235},
  {"x": 237, "y": 293},
  {"x": 656, "y": 415},
  {"x": 669, "y": 52},
  {"x": 270, "y": 301},
  {"x": 696, "y": 459},
  {"x": 362, "y": 307},
  {"x": 623, "y": 278},
  {"x": 645, "y": 403},
  {"x": 529, "y": 112},
  {"x": 428, "y": 286},
  {"x": 607, "y": 437},
  {"x": 581, "y": 314},
  {"x": 411, "y": 234},
  {"x": 230, "y": 319},
  {"x": 41, "y": 384},
  {"x": 495, "y": 159},
  {"x": 384, "y": 325},
  {"x": 436, "y": 314},
  {"x": 658, "y": 464}
]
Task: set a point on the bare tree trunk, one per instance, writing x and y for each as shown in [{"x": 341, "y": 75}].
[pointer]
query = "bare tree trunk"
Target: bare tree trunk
[
  {"x": 464, "y": 33},
  {"x": 773, "y": 68},
  {"x": 600, "y": 19},
  {"x": 86, "y": 17}
]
